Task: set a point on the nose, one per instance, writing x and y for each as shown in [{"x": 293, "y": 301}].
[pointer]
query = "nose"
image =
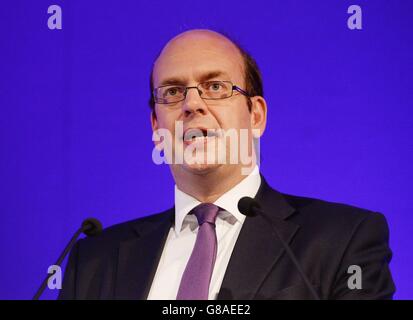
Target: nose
[{"x": 193, "y": 102}]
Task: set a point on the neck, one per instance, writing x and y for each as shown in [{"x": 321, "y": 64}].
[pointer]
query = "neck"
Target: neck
[{"x": 207, "y": 185}]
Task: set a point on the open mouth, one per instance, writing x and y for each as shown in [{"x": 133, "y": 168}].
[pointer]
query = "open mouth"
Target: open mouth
[{"x": 198, "y": 135}]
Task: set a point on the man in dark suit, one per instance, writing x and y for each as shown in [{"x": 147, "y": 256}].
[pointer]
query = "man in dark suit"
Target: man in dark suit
[{"x": 204, "y": 247}]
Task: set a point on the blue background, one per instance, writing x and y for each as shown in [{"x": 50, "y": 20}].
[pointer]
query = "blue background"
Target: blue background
[{"x": 76, "y": 138}]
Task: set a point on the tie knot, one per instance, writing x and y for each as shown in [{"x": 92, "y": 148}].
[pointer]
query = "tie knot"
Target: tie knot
[{"x": 206, "y": 212}]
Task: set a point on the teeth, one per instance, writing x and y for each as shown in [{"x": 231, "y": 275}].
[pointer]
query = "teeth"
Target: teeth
[{"x": 193, "y": 134}]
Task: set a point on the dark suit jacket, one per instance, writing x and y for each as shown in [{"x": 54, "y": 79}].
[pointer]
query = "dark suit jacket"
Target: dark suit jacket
[{"x": 326, "y": 238}]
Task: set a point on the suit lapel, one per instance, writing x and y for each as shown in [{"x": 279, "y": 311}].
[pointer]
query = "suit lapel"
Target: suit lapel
[
  {"x": 139, "y": 257},
  {"x": 257, "y": 249}
]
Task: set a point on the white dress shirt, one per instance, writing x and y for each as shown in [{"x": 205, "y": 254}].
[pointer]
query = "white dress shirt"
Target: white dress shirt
[{"x": 182, "y": 236}]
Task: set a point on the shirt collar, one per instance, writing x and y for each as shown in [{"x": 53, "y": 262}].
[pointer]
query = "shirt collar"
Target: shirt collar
[{"x": 248, "y": 187}]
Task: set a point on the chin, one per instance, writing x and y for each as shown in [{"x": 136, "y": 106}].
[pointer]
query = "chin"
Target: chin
[{"x": 200, "y": 168}]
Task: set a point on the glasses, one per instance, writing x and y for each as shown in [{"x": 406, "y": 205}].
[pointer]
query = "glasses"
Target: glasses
[{"x": 210, "y": 90}]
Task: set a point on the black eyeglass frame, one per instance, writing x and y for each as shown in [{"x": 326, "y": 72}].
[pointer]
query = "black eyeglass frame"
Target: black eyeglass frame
[{"x": 233, "y": 88}]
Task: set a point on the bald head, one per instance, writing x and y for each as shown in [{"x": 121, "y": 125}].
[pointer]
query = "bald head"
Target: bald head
[
  {"x": 207, "y": 43},
  {"x": 199, "y": 35},
  {"x": 189, "y": 57}
]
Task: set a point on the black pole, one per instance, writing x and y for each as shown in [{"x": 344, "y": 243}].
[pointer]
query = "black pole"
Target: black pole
[{"x": 59, "y": 262}]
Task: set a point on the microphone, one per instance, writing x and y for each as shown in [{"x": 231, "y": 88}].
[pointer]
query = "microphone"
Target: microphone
[
  {"x": 91, "y": 227},
  {"x": 250, "y": 207}
]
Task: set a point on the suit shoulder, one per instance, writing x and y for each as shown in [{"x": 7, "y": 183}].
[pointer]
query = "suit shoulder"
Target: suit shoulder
[
  {"x": 113, "y": 235},
  {"x": 335, "y": 223},
  {"x": 328, "y": 210}
]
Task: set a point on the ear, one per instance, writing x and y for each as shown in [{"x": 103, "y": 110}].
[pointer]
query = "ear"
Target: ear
[
  {"x": 154, "y": 121},
  {"x": 258, "y": 115},
  {"x": 155, "y": 127}
]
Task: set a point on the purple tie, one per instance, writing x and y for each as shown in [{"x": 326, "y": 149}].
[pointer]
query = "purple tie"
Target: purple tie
[{"x": 197, "y": 275}]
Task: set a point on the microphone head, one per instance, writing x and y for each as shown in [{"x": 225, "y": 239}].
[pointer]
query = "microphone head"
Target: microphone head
[
  {"x": 247, "y": 206},
  {"x": 91, "y": 227}
]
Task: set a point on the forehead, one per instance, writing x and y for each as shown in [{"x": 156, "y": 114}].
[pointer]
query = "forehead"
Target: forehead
[{"x": 192, "y": 56}]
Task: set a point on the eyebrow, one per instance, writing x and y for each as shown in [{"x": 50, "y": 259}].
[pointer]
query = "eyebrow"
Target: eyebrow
[
  {"x": 202, "y": 78},
  {"x": 213, "y": 74}
]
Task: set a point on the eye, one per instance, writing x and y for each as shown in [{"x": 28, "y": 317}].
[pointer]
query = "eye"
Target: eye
[
  {"x": 172, "y": 91},
  {"x": 215, "y": 86}
]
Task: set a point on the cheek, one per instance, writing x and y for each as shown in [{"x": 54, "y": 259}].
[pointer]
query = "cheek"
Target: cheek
[
  {"x": 234, "y": 118},
  {"x": 165, "y": 120}
]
